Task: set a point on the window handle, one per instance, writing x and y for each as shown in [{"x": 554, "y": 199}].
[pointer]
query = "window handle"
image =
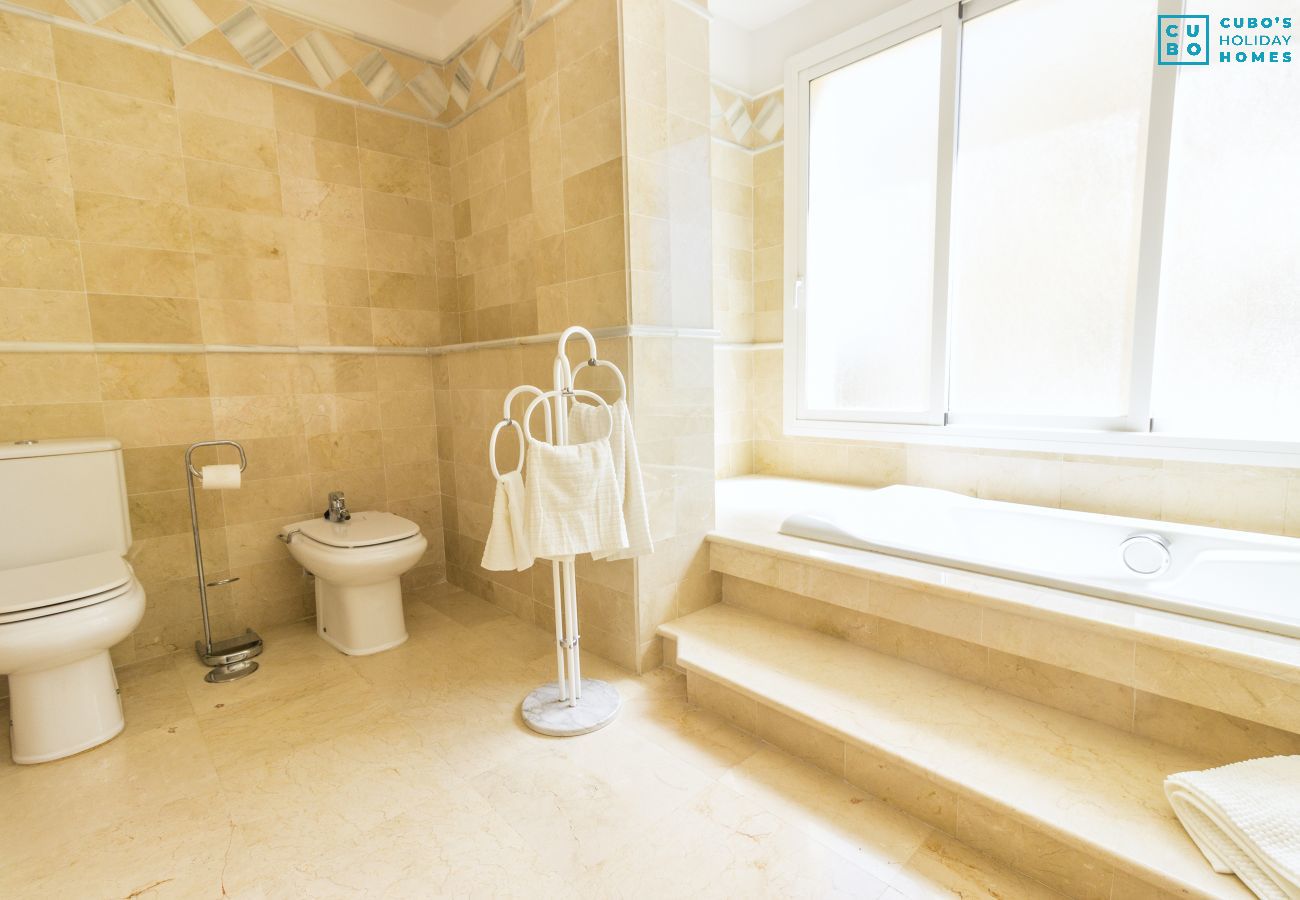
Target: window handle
[{"x": 798, "y": 293}]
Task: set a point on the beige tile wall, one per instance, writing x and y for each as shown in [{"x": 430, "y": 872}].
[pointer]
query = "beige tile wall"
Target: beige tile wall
[
  {"x": 1254, "y": 499},
  {"x": 769, "y": 243},
  {"x": 747, "y": 286},
  {"x": 540, "y": 228},
  {"x": 673, "y": 407},
  {"x": 157, "y": 200},
  {"x": 733, "y": 402},
  {"x": 733, "y": 241},
  {"x": 577, "y": 151},
  {"x": 666, "y": 48},
  {"x": 154, "y": 200},
  {"x": 492, "y": 221}
]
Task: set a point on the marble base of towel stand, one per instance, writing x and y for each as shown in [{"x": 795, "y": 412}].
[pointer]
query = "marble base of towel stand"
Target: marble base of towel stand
[{"x": 545, "y": 713}]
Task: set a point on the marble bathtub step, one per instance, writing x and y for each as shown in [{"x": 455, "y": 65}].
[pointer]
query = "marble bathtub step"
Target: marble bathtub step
[{"x": 1036, "y": 786}]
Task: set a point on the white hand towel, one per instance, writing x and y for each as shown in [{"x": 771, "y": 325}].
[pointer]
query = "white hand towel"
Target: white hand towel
[
  {"x": 573, "y": 500},
  {"x": 1245, "y": 818},
  {"x": 588, "y": 422},
  {"x": 507, "y": 544}
]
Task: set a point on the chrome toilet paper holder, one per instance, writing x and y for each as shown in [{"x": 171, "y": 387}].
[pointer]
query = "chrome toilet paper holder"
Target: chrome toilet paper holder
[{"x": 231, "y": 658}]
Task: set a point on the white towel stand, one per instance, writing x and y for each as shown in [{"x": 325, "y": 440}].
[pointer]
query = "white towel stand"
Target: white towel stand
[{"x": 570, "y": 705}]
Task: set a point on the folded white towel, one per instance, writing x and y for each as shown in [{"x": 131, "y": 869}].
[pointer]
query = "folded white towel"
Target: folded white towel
[
  {"x": 507, "y": 544},
  {"x": 588, "y": 422},
  {"x": 573, "y": 500},
  {"x": 1245, "y": 818}
]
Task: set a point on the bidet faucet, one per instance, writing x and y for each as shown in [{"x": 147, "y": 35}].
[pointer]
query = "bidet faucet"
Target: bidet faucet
[{"x": 338, "y": 509}]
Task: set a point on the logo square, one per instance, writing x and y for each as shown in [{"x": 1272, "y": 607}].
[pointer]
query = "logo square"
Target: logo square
[{"x": 1183, "y": 40}]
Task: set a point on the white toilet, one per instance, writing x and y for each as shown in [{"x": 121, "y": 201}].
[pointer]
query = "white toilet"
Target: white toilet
[
  {"x": 358, "y": 563},
  {"x": 66, "y": 593}
]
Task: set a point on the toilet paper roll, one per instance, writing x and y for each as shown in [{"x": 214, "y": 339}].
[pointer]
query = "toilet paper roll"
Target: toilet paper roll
[{"x": 220, "y": 478}]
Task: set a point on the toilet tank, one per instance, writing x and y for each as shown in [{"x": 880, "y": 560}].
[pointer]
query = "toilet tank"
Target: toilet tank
[{"x": 61, "y": 499}]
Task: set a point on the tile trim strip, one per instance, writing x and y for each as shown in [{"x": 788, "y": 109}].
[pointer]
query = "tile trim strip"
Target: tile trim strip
[{"x": 620, "y": 331}]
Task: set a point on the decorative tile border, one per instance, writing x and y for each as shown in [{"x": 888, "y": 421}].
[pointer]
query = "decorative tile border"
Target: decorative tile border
[
  {"x": 754, "y": 123},
  {"x": 259, "y": 39}
]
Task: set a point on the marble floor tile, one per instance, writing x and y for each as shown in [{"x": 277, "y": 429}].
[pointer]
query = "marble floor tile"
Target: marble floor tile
[
  {"x": 578, "y": 801},
  {"x": 153, "y": 694},
  {"x": 56, "y": 806},
  {"x": 874, "y": 836},
  {"x": 410, "y": 773},
  {"x": 702, "y": 738},
  {"x": 465, "y": 608},
  {"x": 725, "y": 845}
]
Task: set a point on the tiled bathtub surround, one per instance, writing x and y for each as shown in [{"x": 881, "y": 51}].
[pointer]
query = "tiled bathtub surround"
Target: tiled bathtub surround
[
  {"x": 1244, "y": 498},
  {"x": 1073, "y": 804},
  {"x": 1210, "y": 688},
  {"x": 1240, "y": 497}
]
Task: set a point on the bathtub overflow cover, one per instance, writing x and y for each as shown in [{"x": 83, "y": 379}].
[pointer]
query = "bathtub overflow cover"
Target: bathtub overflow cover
[{"x": 1145, "y": 554}]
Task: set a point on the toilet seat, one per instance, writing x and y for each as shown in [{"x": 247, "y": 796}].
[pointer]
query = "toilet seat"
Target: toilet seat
[
  {"x": 47, "y": 589},
  {"x": 364, "y": 529}
]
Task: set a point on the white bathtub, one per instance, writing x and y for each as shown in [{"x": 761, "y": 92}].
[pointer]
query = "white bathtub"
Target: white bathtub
[{"x": 1237, "y": 577}]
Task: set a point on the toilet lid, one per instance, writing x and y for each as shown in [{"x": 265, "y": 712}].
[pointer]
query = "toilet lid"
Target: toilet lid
[
  {"x": 62, "y": 585},
  {"x": 364, "y": 529}
]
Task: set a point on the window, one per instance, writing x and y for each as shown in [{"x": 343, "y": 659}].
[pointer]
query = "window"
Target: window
[
  {"x": 1013, "y": 228},
  {"x": 1045, "y": 208},
  {"x": 871, "y": 196},
  {"x": 1227, "y": 354}
]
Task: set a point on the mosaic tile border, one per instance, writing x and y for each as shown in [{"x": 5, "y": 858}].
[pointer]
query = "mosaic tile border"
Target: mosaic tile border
[
  {"x": 754, "y": 123},
  {"x": 262, "y": 41}
]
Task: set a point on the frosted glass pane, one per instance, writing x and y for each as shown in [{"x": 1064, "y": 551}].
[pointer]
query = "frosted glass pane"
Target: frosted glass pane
[
  {"x": 872, "y": 156},
  {"x": 1054, "y": 100},
  {"x": 1228, "y": 333}
]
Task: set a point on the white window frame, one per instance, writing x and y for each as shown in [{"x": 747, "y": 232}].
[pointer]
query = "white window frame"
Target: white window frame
[{"x": 1132, "y": 435}]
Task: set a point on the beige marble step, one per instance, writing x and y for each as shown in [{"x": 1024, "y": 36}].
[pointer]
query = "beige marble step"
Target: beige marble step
[{"x": 1078, "y": 804}]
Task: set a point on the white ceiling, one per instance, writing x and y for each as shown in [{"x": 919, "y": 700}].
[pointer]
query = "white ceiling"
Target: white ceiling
[
  {"x": 752, "y": 14},
  {"x": 430, "y": 28}
]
